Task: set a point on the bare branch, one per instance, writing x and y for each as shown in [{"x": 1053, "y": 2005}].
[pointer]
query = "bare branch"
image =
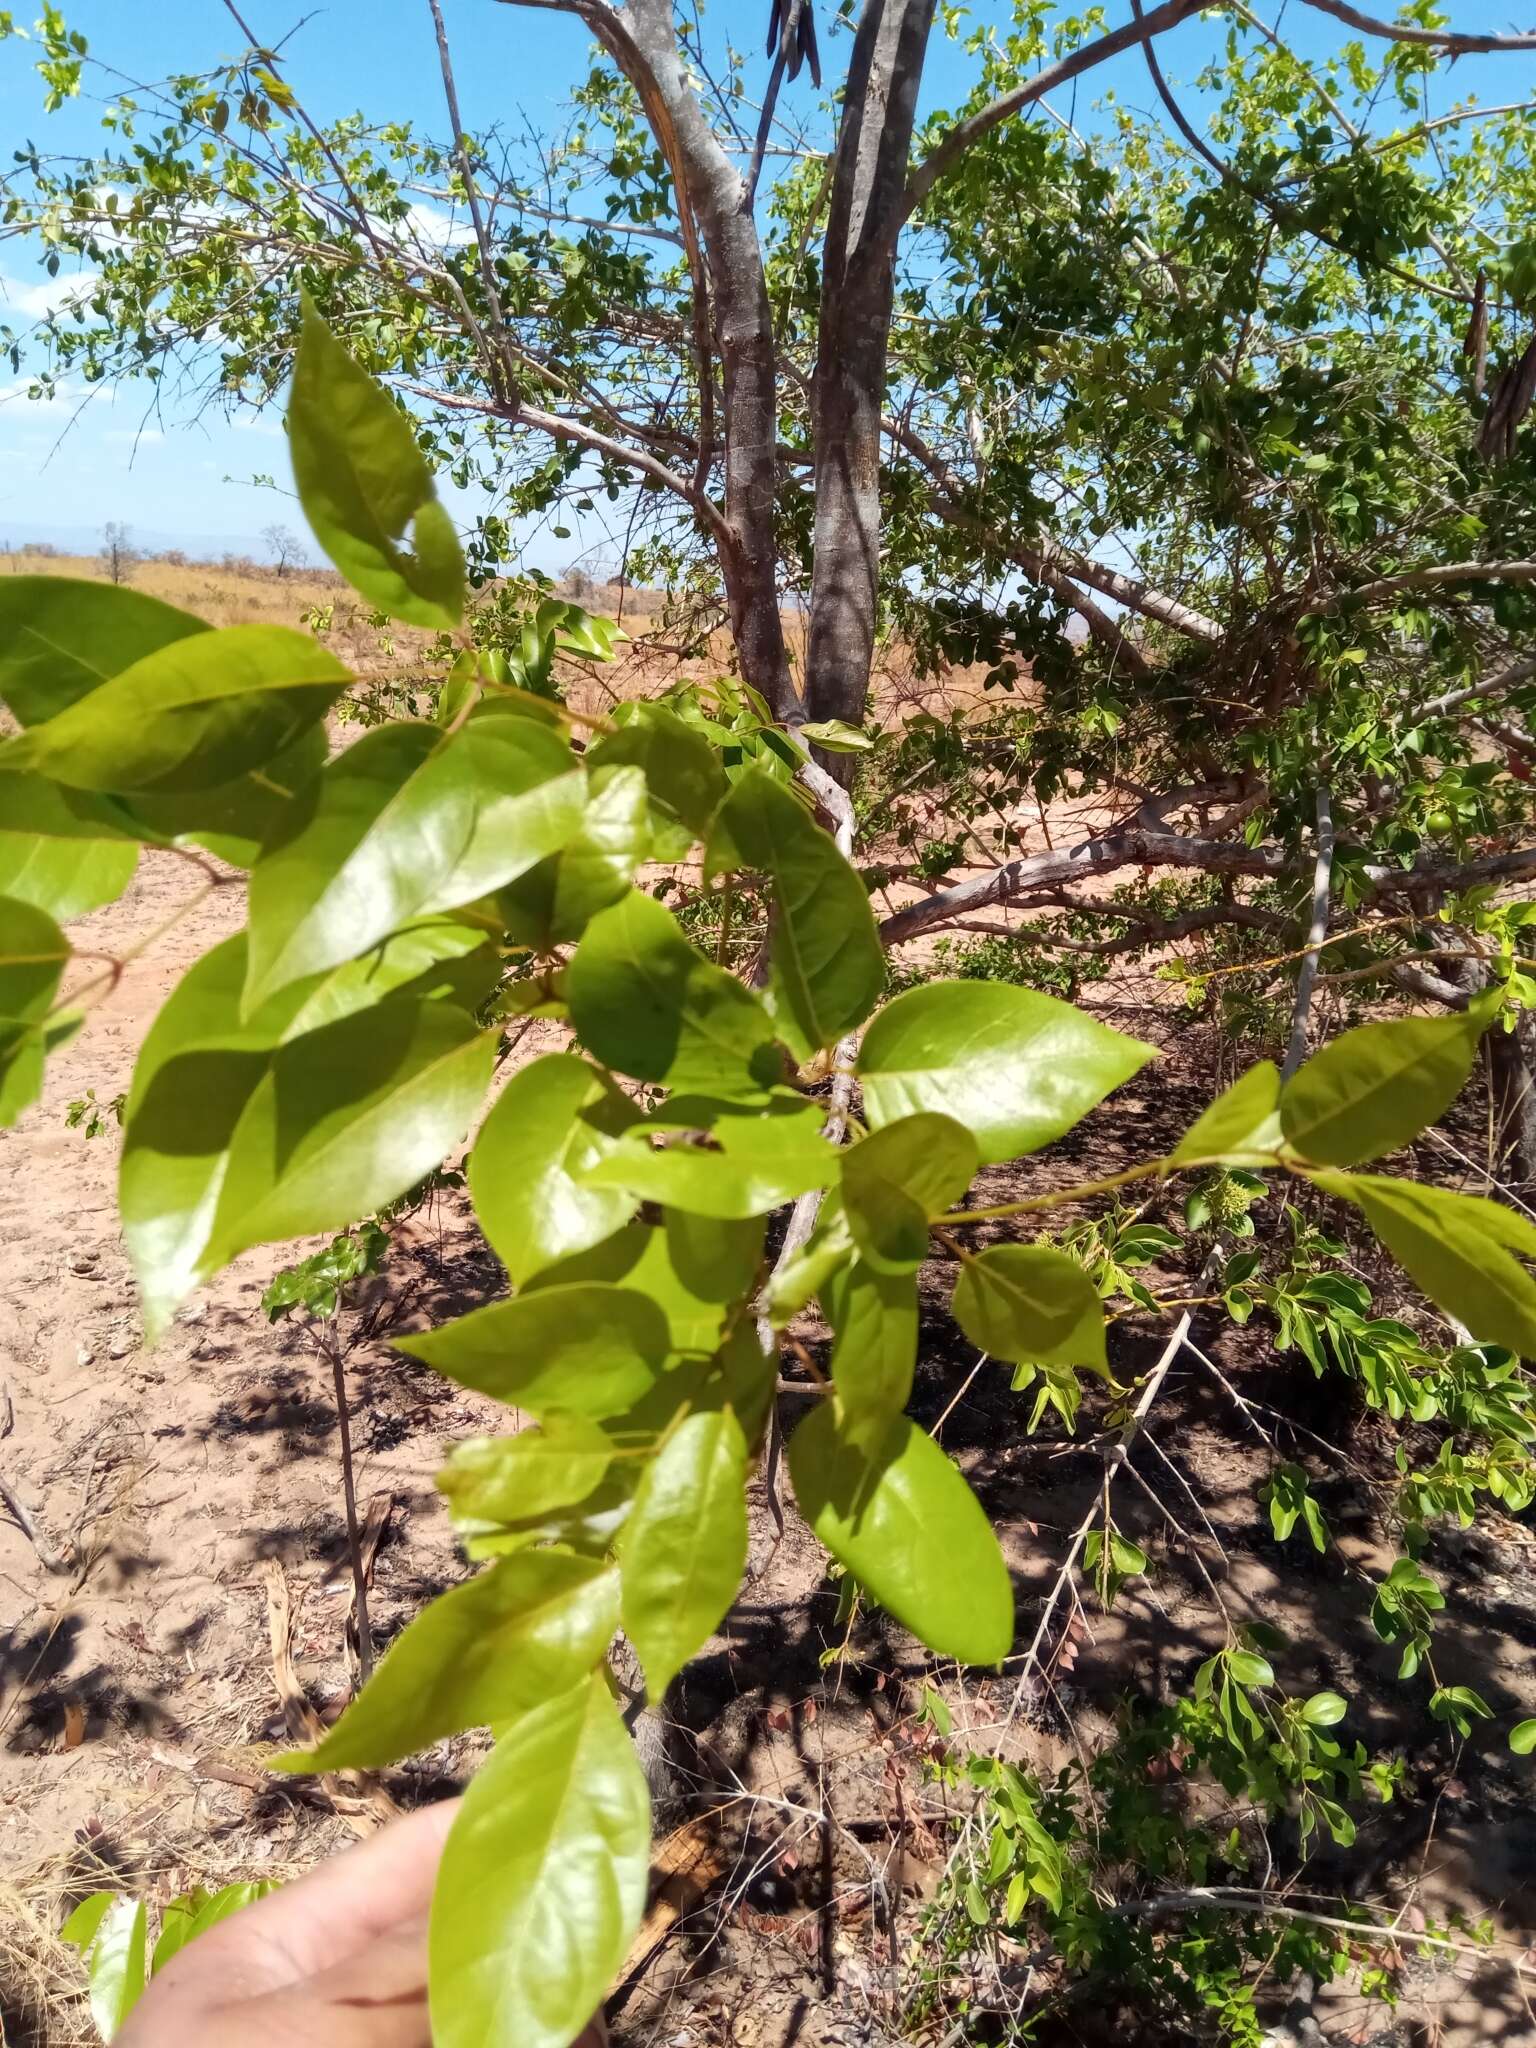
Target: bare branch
[
  {"x": 1457, "y": 42},
  {"x": 1492, "y": 687},
  {"x": 1306, "y": 980},
  {"x": 1425, "y": 579}
]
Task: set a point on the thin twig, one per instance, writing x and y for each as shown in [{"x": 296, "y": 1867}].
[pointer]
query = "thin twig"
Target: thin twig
[{"x": 1306, "y": 980}]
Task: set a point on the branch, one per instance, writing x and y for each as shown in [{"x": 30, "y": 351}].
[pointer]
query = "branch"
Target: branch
[
  {"x": 1306, "y": 980},
  {"x": 1495, "y": 686},
  {"x": 562, "y": 428},
  {"x": 1424, "y": 579},
  {"x": 1456, "y": 42},
  {"x": 1139, "y": 846},
  {"x": 970, "y": 131},
  {"x": 472, "y": 197}
]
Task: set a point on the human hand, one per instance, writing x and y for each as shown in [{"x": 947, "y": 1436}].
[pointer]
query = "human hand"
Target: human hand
[{"x": 338, "y": 1960}]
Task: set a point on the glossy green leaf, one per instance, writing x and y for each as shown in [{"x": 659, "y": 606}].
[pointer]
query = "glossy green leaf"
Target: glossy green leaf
[
  {"x": 1324, "y": 1710},
  {"x": 366, "y": 489},
  {"x": 1457, "y": 1248},
  {"x": 61, "y": 637},
  {"x": 1242, "y": 1126},
  {"x": 1016, "y": 1068},
  {"x": 581, "y": 1349},
  {"x": 598, "y": 864},
  {"x": 508, "y": 1478},
  {"x": 827, "y": 965},
  {"x": 407, "y": 822},
  {"x": 1248, "y": 1668},
  {"x": 199, "y": 711},
  {"x": 60, "y": 849},
  {"x": 555, "y": 1118},
  {"x": 1031, "y": 1305},
  {"x": 684, "y": 780},
  {"x": 684, "y": 1547},
  {"x": 696, "y": 1269},
  {"x": 750, "y": 1164},
  {"x": 836, "y": 736},
  {"x": 903, "y": 1520},
  {"x": 1371, "y": 1090},
  {"x": 532, "y": 1626},
  {"x": 543, "y": 1880},
  {"x": 811, "y": 1269},
  {"x": 117, "y": 1965},
  {"x": 1522, "y": 1737},
  {"x": 235, "y": 820},
  {"x": 898, "y": 1178},
  {"x": 32, "y": 955},
  {"x": 649, "y": 1004},
  {"x": 874, "y": 1319},
  {"x": 347, "y": 1118}
]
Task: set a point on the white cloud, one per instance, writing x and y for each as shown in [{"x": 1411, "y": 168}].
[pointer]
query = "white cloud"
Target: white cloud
[
  {"x": 133, "y": 437},
  {"x": 45, "y": 295},
  {"x": 431, "y": 229},
  {"x": 256, "y": 423}
]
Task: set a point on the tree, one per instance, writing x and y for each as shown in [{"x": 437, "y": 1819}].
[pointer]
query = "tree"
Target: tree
[
  {"x": 283, "y": 546},
  {"x": 1246, "y": 400},
  {"x": 119, "y": 557},
  {"x": 306, "y": 1073}
]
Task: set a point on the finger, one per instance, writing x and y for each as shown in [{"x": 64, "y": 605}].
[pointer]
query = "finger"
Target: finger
[{"x": 341, "y": 1906}]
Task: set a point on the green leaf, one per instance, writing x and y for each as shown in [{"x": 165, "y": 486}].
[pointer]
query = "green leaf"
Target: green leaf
[
  {"x": 811, "y": 1269},
  {"x": 1249, "y": 1668},
  {"x": 116, "y": 1966},
  {"x": 1371, "y": 1090},
  {"x": 753, "y": 1163},
  {"x": 874, "y": 1318},
  {"x": 696, "y": 1269},
  {"x": 60, "y": 850},
  {"x": 905, "y": 1523},
  {"x": 1457, "y": 1248},
  {"x": 1324, "y": 1710},
  {"x": 836, "y": 736},
  {"x": 598, "y": 864},
  {"x": 185, "y": 1918},
  {"x": 62, "y": 637},
  {"x": 32, "y": 955},
  {"x": 1031, "y": 1305},
  {"x": 827, "y": 966},
  {"x": 532, "y": 1626},
  {"x": 199, "y": 711},
  {"x": 234, "y": 820},
  {"x": 581, "y": 1349},
  {"x": 362, "y": 481},
  {"x": 683, "y": 776},
  {"x": 1522, "y": 1737},
  {"x": 506, "y": 1478},
  {"x": 80, "y": 1929},
  {"x": 647, "y": 1003},
  {"x": 1016, "y": 1068},
  {"x": 555, "y": 1118},
  {"x": 543, "y": 1880},
  {"x": 898, "y": 1178},
  {"x": 408, "y": 822},
  {"x": 346, "y": 1118},
  {"x": 684, "y": 1547},
  {"x": 1241, "y": 1127}
]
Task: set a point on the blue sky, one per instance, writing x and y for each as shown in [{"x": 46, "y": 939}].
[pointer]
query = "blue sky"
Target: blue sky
[{"x": 66, "y": 469}]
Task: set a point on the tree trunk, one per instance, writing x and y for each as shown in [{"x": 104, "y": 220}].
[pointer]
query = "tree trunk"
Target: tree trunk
[
  {"x": 858, "y": 280},
  {"x": 712, "y": 192},
  {"x": 1507, "y": 1063}
]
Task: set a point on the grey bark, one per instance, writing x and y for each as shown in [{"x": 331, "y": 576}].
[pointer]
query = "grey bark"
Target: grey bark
[
  {"x": 858, "y": 281},
  {"x": 1306, "y": 980}
]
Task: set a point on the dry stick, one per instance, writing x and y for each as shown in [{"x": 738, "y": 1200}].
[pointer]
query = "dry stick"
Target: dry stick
[
  {"x": 354, "y": 1534},
  {"x": 1115, "y": 1456},
  {"x": 1306, "y": 980}
]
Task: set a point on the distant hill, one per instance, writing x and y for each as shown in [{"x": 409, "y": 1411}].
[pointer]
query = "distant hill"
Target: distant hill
[{"x": 85, "y": 540}]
